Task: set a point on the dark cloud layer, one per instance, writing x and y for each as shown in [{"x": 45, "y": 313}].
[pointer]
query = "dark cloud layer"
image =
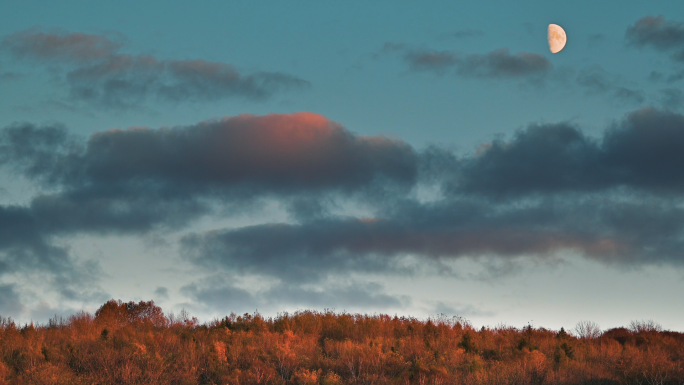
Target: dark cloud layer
[
  {"x": 612, "y": 232},
  {"x": 642, "y": 152},
  {"x": 135, "y": 180},
  {"x": 301, "y": 152},
  {"x": 131, "y": 180},
  {"x": 98, "y": 73},
  {"x": 609, "y": 231},
  {"x": 551, "y": 187}
]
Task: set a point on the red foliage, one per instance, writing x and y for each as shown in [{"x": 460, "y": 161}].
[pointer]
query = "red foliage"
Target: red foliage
[{"x": 134, "y": 343}]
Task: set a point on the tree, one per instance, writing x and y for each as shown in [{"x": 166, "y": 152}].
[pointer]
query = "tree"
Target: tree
[
  {"x": 645, "y": 326},
  {"x": 562, "y": 334},
  {"x": 587, "y": 330}
]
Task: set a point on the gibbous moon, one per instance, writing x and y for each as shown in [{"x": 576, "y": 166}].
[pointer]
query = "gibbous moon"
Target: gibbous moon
[{"x": 557, "y": 38}]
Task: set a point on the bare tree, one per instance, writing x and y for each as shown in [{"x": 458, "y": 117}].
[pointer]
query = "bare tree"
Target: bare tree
[
  {"x": 645, "y": 326},
  {"x": 587, "y": 330}
]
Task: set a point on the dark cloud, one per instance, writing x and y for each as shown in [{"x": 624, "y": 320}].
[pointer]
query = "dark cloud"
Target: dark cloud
[
  {"x": 24, "y": 244},
  {"x": 243, "y": 155},
  {"x": 296, "y": 253},
  {"x": 607, "y": 230},
  {"x": 656, "y": 32},
  {"x": 499, "y": 63},
  {"x": 136, "y": 180},
  {"x": 99, "y": 74},
  {"x": 640, "y": 152},
  {"x": 596, "y": 80},
  {"x": 550, "y": 187}
]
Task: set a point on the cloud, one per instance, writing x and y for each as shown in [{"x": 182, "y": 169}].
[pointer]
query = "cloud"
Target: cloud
[
  {"x": 299, "y": 252},
  {"x": 124, "y": 80},
  {"x": 532, "y": 68},
  {"x": 137, "y": 180},
  {"x": 595, "y": 80},
  {"x": 242, "y": 156},
  {"x": 98, "y": 73},
  {"x": 548, "y": 189},
  {"x": 551, "y": 188},
  {"x": 27, "y": 248},
  {"x": 603, "y": 229},
  {"x": 23, "y": 244},
  {"x": 499, "y": 63},
  {"x": 640, "y": 152},
  {"x": 660, "y": 34},
  {"x": 67, "y": 47},
  {"x": 656, "y": 32}
]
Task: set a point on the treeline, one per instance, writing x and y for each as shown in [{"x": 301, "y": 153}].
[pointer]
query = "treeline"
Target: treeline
[{"x": 135, "y": 343}]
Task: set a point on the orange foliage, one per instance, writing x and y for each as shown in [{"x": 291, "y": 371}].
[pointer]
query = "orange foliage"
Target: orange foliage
[{"x": 134, "y": 343}]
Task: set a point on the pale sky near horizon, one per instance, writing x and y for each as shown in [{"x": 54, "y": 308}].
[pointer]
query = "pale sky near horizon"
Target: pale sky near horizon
[{"x": 387, "y": 157}]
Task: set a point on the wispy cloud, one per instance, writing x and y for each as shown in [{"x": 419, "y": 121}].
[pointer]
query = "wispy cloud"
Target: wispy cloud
[
  {"x": 656, "y": 32},
  {"x": 499, "y": 63},
  {"x": 660, "y": 34},
  {"x": 97, "y": 72}
]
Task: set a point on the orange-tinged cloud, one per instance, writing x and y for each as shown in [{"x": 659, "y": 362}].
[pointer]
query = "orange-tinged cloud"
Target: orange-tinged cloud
[{"x": 298, "y": 151}]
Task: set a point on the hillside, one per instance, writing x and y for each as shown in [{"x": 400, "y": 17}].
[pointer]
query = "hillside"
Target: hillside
[{"x": 135, "y": 343}]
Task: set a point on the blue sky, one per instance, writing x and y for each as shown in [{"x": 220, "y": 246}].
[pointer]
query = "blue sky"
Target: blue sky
[{"x": 424, "y": 158}]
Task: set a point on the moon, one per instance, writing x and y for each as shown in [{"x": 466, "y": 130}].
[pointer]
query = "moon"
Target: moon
[{"x": 557, "y": 38}]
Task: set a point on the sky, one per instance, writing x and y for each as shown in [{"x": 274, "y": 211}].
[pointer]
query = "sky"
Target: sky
[{"x": 408, "y": 158}]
